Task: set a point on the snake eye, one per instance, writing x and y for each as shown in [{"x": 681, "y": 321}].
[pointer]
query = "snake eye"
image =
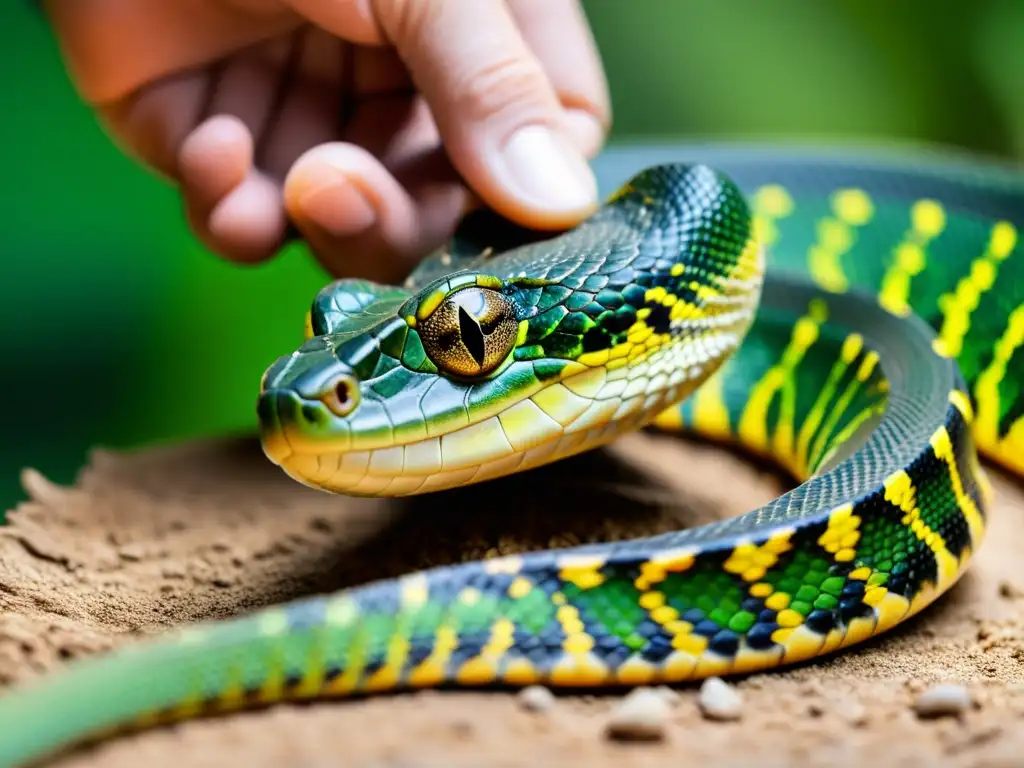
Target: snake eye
[
  {"x": 471, "y": 332},
  {"x": 343, "y": 397}
]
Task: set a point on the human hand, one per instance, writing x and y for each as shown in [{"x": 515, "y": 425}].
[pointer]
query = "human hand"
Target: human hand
[{"x": 360, "y": 121}]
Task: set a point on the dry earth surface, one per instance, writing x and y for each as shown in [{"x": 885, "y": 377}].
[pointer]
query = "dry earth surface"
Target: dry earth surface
[{"x": 147, "y": 540}]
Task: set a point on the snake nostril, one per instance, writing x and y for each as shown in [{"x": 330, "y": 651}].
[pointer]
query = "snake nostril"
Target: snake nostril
[{"x": 343, "y": 397}]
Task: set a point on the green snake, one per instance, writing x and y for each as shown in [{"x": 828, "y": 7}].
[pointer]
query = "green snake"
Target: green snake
[{"x": 881, "y": 344}]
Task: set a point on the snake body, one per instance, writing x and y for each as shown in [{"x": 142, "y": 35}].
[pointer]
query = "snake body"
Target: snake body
[{"x": 879, "y": 349}]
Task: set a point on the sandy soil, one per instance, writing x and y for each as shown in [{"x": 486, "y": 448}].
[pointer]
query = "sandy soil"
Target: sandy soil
[{"x": 147, "y": 540}]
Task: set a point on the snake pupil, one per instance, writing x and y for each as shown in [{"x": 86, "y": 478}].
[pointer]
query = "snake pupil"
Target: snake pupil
[{"x": 472, "y": 336}]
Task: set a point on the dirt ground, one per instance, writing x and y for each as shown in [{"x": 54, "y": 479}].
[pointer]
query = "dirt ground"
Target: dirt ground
[{"x": 170, "y": 535}]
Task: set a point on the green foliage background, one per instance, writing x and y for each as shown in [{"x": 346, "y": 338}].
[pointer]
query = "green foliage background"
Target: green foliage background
[{"x": 118, "y": 329}]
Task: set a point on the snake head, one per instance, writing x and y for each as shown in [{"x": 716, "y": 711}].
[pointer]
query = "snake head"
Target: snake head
[{"x": 510, "y": 360}]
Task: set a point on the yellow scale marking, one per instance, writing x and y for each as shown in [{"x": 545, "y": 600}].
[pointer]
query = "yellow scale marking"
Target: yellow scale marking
[
  {"x": 577, "y": 665},
  {"x": 958, "y": 306},
  {"x": 751, "y": 561},
  {"x": 927, "y": 221},
  {"x": 852, "y": 346},
  {"x": 770, "y": 204},
  {"x": 842, "y": 534},
  {"x": 753, "y": 427},
  {"x": 1010, "y": 449},
  {"x": 864, "y": 371},
  {"x": 483, "y": 668},
  {"x": 582, "y": 570},
  {"x": 851, "y": 209}
]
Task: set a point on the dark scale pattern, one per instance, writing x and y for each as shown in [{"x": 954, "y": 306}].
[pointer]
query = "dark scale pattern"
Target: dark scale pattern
[
  {"x": 939, "y": 505},
  {"x": 702, "y": 224},
  {"x": 886, "y": 542}
]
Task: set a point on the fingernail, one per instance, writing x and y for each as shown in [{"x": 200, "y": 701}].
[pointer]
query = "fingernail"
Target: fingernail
[
  {"x": 548, "y": 171},
  {"x": 586, "y": 130},
  {"x": 338, "y": 207}
]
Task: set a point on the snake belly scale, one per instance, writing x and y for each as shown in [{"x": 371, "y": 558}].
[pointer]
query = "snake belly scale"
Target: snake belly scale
[{"x": 860, "y": 322}]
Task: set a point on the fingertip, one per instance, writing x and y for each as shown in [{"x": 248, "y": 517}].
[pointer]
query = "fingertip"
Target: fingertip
[
  {"x": 357, "y": 218},
  {"x": 319, "y": 192},
  {"x": 587, "y": 131},
  {"x": 248, "y": 225},
  {"x": 544, "y": 178},
  {"x": 353, "y": 21},
  {"x": 215, "y": 158}
]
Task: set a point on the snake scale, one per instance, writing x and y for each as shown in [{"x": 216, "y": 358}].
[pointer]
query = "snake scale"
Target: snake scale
[{"x": 857, "y": 318}]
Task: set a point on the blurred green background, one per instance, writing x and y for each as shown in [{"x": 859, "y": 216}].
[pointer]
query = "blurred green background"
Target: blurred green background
[{"x": 119, "y": 330}]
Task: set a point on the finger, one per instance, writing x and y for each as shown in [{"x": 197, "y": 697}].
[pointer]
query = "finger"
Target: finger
[
  {"x": 248, "y": 225},
  {"x": 233, "y": 208},
  {"x": 113, "y": 48},
  {"x": 500, "y": 118},
  {"x": 399, "y": 130},
  {"x": 152, "y": 123},
  {"x": 248, "y": 85},
  {"x": 558, "y": 34},
  {"x": 214, "y": 159},
  {"x": 355, "y": 215},
  {"x": 307, "y": 112}
]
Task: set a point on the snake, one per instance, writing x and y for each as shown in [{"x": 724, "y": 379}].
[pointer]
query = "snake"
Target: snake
[{"x": 855, "y": 317}]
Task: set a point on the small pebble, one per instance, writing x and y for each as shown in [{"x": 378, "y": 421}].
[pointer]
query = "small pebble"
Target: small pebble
[
  {"x": 1009, "y": 590},
  {"x": 671, "y": 696},
  {"x": 133, "y": 553},
  {"x": 815, "y": 709},
  {"x": 719, "y": 700},
  {"x": 943, "y": 700},
  {"x": 855, "y": 714},
  {"x": 641, "y": 716},
  {"x": 536, "y": 698}
]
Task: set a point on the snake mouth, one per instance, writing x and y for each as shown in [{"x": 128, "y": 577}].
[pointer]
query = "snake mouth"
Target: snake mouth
[{"x": 576, "y": 414}]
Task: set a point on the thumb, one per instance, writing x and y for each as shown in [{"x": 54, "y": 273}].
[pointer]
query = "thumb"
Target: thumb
[{"x": 498, "y": 114}]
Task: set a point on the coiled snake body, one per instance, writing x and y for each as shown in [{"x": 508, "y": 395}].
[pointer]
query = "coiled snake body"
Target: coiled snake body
[{"x": 881, "y": 345}]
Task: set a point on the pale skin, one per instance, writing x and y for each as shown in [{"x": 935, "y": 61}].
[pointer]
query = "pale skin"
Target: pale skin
[{"x": 369, "y": 126}]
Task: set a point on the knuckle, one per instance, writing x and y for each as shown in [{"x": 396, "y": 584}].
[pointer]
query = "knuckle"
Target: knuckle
[
  {"x": 599, "y": 109},
  {"x": 509, "y": 82},
  {"x": 402, "y": 20}
]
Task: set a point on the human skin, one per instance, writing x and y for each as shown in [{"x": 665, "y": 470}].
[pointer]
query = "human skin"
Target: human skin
[{"x": 366, "y": 126}]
